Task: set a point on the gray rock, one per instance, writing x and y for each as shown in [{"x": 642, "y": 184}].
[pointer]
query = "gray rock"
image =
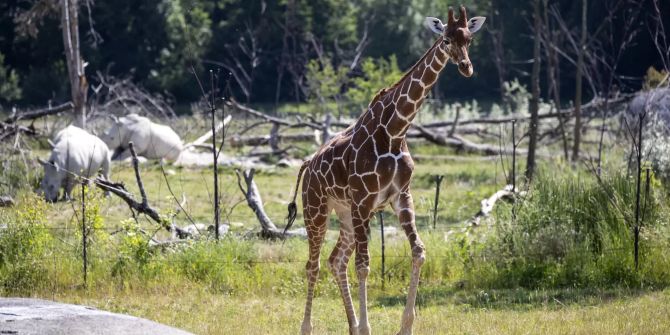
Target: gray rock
[{"x": 34, "y": 316}]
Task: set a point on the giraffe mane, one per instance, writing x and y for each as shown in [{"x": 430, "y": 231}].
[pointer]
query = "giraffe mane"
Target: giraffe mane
[{"x": 408, "y": 73}]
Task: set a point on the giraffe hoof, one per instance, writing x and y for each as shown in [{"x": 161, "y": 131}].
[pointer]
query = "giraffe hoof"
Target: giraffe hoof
[
  {"x": 364, "y": 329},
  {"x": 306, "y": 329}
]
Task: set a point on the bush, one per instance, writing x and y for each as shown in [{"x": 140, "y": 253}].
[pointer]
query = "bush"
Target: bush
[
  {"x": 571, "y": 231},
  {"x": 25, "y": 245}
]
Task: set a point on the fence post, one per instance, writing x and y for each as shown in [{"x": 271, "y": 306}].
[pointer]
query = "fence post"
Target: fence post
[
  {"x": 513, "y": 155},
  {"x": 637, "y": 194},
  {"x": 84, "y": 232},
  {"x": 215, "y": 157},
  {"x": 380, "y": 216},
  {"x": 514, "y": 168},
  {"x": 438, "y": 182}
]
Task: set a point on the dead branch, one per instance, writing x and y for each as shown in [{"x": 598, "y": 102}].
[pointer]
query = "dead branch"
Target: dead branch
[
  {"x": 253, "y": 196},
  {"x": 142, "y": 206},
  {"x": 7, "y": 131},
  {"x": 122, "y": 94},
  {"x": 38, "y": 113},
  {"x": 275, "y": 120},
  {"x": 461, "y": 144},
  {"x": 591, "y": 107},
  {"x": 200, "y": 141},
  {"x": 240, "y": 141},
  {"x": 6, "y": 201},
  {"x": 507, "y": 193}
]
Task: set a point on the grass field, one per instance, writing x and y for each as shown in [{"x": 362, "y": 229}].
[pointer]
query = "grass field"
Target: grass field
[
  {"x": 531, "y": 274},
  {"x": 204, "y": 312}
]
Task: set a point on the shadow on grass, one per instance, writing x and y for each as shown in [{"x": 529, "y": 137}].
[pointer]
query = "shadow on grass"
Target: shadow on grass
[{"x": 512, "y": 299}]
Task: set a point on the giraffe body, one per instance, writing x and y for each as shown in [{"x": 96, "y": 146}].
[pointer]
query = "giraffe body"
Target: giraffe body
[{"x": 367, "y": 167}]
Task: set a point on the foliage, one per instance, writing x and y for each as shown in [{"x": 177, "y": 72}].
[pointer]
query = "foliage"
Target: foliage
[
  {"x": 516, "y": 96},
  {"x": 377, "y": 74},
  {"x": 17, "y": 172},
  {"x": 325, "y": 84},
  {"x": 133, "y": 248},
  {"x": 573, "y": 231},
  {"x": 10, "y": 88},
  {"x": 187, "y": 25},
  {"x": 654, "y": 78},
  {"x": 24, "y": 245}
]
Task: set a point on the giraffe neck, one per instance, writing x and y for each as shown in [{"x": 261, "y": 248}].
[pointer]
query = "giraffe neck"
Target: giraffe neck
[{"x": 402, "y": 101}]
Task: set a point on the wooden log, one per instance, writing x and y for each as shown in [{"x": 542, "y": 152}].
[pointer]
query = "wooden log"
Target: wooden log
[
  {"x": 200, "y": 141},
  {"x": 240, "y": 141},
  {"x": 6, "y": 201},
  {"x": 488, "y": 203},
  {"x": 253, "y": 197},
  {"x": 31, "y": 115},
  {"x": 461, "y": 144}
]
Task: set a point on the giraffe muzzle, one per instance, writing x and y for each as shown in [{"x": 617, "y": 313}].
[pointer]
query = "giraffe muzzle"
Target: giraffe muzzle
[{"x": 465, "y": 68}]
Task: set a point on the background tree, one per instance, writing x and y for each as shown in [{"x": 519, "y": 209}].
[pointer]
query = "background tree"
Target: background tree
[
  {"x": 578, "y": 84},
  {"x": 534, "y": 105}
]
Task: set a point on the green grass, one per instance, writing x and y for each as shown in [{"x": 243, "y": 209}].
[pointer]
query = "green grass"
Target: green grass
[
  {"x": 204, "y": 312},
  {"x": 529, "y": 273}
]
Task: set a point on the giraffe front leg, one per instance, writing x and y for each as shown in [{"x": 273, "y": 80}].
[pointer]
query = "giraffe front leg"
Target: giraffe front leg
[
  {"x": 404, "y": 208},
  {"x": 338, "y": 265},
  {"x": 361, "y": 232}
]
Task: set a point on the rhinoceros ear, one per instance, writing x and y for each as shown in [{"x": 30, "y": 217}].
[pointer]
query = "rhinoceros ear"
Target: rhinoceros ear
[{"x": 49, "y": 163}]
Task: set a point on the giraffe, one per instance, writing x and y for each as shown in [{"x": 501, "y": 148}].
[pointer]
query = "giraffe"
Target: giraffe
[{"x": 368, "y": 166}]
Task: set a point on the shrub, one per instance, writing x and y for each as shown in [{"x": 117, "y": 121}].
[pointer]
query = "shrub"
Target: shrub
[
  {"x": 24, "y": 245},
  {"x": 570, "y": 231}
]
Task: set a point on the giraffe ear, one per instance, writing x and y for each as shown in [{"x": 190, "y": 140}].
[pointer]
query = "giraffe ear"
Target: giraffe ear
[
  {"x": 434, "y": 24},
  {"x": 475, "y": 23}
]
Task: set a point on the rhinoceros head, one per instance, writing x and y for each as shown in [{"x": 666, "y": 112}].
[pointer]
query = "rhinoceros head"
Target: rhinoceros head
[
  {"x": 51, "y": 182},
  {"x": 115, "y": 135}
]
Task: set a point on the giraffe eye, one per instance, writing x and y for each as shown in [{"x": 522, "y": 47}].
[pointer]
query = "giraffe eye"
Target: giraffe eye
[{"x": 447, "y": 40}]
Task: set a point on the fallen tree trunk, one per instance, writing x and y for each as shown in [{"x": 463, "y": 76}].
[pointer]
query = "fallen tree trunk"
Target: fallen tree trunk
[
  {"x": 142, "y": 206},
  {"x": 233, "y": 104},
  {"x": 239, "y": 141},
  {"x": 253, "y": 197},
  {"x": 7, "y": 130},
  {"x": 31, "y": 115},
  {"x": 6, "y": 201},
  {"x": 592, "y": 105},
  {"x": 200, "y": 141},
  {"x": 487, "y": 204},
  {"x": 463, "y": 145}
]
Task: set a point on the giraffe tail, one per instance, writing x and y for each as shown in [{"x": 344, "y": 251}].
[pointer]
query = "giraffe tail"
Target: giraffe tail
[{"x": 292, "y": 207}]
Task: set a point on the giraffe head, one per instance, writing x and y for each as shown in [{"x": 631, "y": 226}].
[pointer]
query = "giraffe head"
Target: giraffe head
[{"x": 456, "y": 37}]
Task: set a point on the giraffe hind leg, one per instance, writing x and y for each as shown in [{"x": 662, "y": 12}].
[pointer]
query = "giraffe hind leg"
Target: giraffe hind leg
[{"x": 316, "y": 231}]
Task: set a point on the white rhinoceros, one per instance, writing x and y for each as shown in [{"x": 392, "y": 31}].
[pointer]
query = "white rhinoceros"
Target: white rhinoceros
[
  {"x": 151, "y": 140},
  {"x": 74, "y": 152}
]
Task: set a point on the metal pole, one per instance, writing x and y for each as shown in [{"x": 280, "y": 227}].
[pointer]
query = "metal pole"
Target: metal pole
[
  {"x": 215, "y": 157},
  {"x": 84, "y": 231},
  {"x": 514, "y": 168},
  {"x": 513, "y": 155},
  {"x": 438, "y": 182},
  {"x": 637, "y": 194},
  {"x": 380, "y": 215}
]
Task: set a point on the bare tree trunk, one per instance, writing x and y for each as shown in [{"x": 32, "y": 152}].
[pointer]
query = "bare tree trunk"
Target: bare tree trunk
[
  {"x": 496, "y": 31},
  {"x": 578, "y": 86},
  {"x": 75, "y": 64},
  {"x": 553, "y": 75},
  {"x": 535, "y": 88}
]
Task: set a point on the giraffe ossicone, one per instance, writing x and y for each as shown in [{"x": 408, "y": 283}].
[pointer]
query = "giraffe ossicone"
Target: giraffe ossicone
[{"x": 368, "y": 166}]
